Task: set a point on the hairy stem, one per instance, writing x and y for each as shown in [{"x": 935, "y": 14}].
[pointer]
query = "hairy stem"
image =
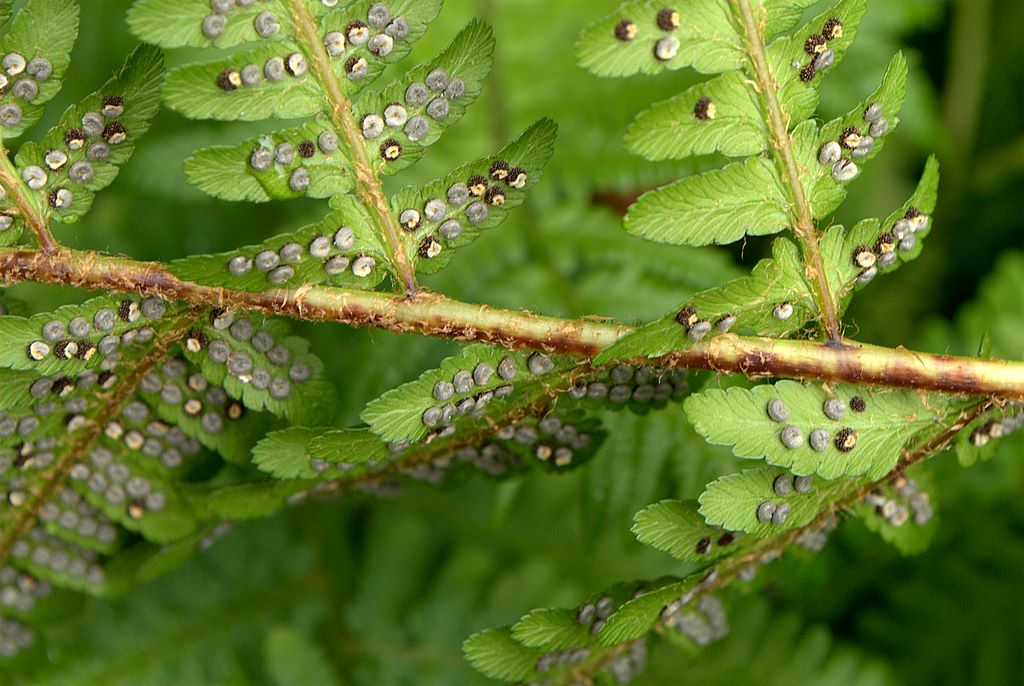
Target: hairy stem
[
  {"x": 804, "y": 227},
  {"x": 110, "y": 406},
  {"x": 435, "y": 315},
  {"x": 14, "y": 189},
  {"x": 368, "y": 185}
]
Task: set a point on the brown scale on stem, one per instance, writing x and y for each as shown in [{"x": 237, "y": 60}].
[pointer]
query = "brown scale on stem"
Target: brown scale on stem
[{"x": 435, "y": 315}]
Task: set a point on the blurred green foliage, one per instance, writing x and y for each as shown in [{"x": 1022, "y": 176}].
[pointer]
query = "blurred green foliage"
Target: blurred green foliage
[{"x": 367, "y": 593}]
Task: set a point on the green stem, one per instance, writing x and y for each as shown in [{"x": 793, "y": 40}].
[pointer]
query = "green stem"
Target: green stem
[
  {"x": 368, "y": 185},
  {"x": 803, "y": 227},
  {"x": 15, "y": 189},
  {"x": 435, "y": 315}
]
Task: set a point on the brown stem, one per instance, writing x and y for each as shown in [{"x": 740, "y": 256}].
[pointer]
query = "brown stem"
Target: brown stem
[
  {"x": 110, "y": 406},
  {"x": 435, "y": 315},
  {"x": 15, "y": 189},
  {"x": 368, "y": 185},
  {"x": 804, "y": 227}
]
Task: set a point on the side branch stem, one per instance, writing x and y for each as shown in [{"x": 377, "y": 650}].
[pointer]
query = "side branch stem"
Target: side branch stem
[
  {"x": 14, "y": 188},
  {"x": 368, "y": 185},
  {"x": 435, "y": 315},
  {"x": 782, "y": 142}
]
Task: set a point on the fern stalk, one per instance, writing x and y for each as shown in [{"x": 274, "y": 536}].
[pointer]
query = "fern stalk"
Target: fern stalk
[
  {"x": 804, "y": 228},
  {"x": 368, "y": 185},
  {"x": 435, "y": 315}
]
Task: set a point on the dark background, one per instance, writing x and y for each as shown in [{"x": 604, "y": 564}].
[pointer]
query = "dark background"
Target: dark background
[{"x": 370, "y": 593}]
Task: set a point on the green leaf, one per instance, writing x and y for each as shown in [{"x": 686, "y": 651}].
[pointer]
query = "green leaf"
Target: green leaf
[
  {"x": 902, "y": 512},
  {"x": 733, "y": 501},
  {"x": 148, "y": 563},
  {"x": 11, "y": 305},
  {"x": 868, "y": 233},
  {"x": 69, "y": 516},
  {"x": 528, "y": 154},
  {"x": 96, "y": 162},
  {"x": 179, "y": 23},
  {"x": 338, "y": 241},
  {"x": 975, "y": 442},
  {"x": 557, "y": 443},
  {"x": 730, "y": 121},
  {"x": 402, "y": 413},
  {"x": 799, "y": 99},
  {"x": 738, "y": 417},
  {"x": 89, "y": 576},
  {"x": 121, "y": 467},
  {"x": 783, "y": 15},
  {"x": 707, "y": 40},
  {"x": 824, "y": 192},
  {"x": 842, "y": 249},
  {"x": 87, "y": 527},
  {"x": 639, "y": 389},
  {"x": 675, "y": 527},
  {"x": 282, "y": 454},
  {"x": 293, "y": 658},
  {"x": 752, "y": 300},
  {"x": 230, "y": 172},
  {"x": 246, "y": 500},
  {"x": 654, "y": 339},
  {"x": 496, "y": 654},
  {"x": 318, "y": 454},
  {"x": 170, "y": 522},
  {"x": 551, "y": 629},
  {"x": 151, "y": 449},
  {"x": 347, "y": 447},
  {"x": 42, "y": 29},
  {"x": 263, "y": 366},
  {"x": 118, "y": 317},
  {"x": 716, "y": 207},
  {"x": 773, "y": 646},
  {"x": 639, "y": 615},
  {"x": 557, "y": 630},
  {"x": 657, "y": 455},
  {"x": 14, "y": 388},
  {"x": 192, "y": 89},
  {"x": 182, "y": 396},
  {"x": 416, "y": 13},
  {"x": 467, "y": 59}
]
